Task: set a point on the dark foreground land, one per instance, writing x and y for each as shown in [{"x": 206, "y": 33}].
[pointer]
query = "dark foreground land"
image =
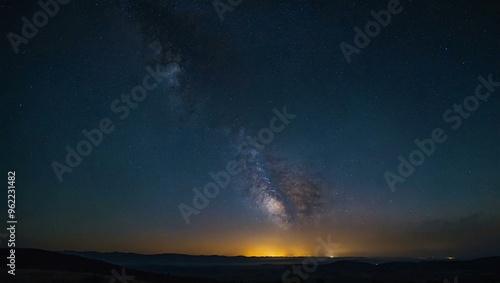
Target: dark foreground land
[{"x": 34, "y": 265}]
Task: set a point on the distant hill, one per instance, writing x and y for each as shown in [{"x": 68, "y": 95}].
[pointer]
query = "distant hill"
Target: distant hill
[
  {"x": 29, "y": 261},
  {"x": 128, "y": 259},
  {"x": 339, "y": 270},
  {"x": 41, "y": 266}
]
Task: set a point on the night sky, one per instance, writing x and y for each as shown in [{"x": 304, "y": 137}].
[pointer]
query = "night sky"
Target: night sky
[{"x": 338, "y": 127}]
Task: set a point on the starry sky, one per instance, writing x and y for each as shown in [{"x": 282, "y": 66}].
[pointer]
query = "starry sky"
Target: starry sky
[{"x": 220, "y": 83}]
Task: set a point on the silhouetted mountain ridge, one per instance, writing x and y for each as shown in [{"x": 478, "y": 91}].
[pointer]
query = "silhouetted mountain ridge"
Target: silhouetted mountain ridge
[
  {"x": 36, "y": 259},
  {"x": 236, "y": 269}
]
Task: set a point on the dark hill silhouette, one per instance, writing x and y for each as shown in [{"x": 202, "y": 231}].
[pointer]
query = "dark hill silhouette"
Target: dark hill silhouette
[
  {"x": 185, "y": 268},
  {"x": 35, "y": 259},
  {"x": 252, "y": 269}
]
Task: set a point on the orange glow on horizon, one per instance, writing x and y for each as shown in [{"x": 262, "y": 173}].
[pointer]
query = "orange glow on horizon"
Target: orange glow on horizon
[{"x": 274, "y": 251}]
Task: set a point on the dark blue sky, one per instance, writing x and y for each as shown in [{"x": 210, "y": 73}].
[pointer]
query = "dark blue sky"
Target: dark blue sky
[{"x": 322, "y": 175}]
